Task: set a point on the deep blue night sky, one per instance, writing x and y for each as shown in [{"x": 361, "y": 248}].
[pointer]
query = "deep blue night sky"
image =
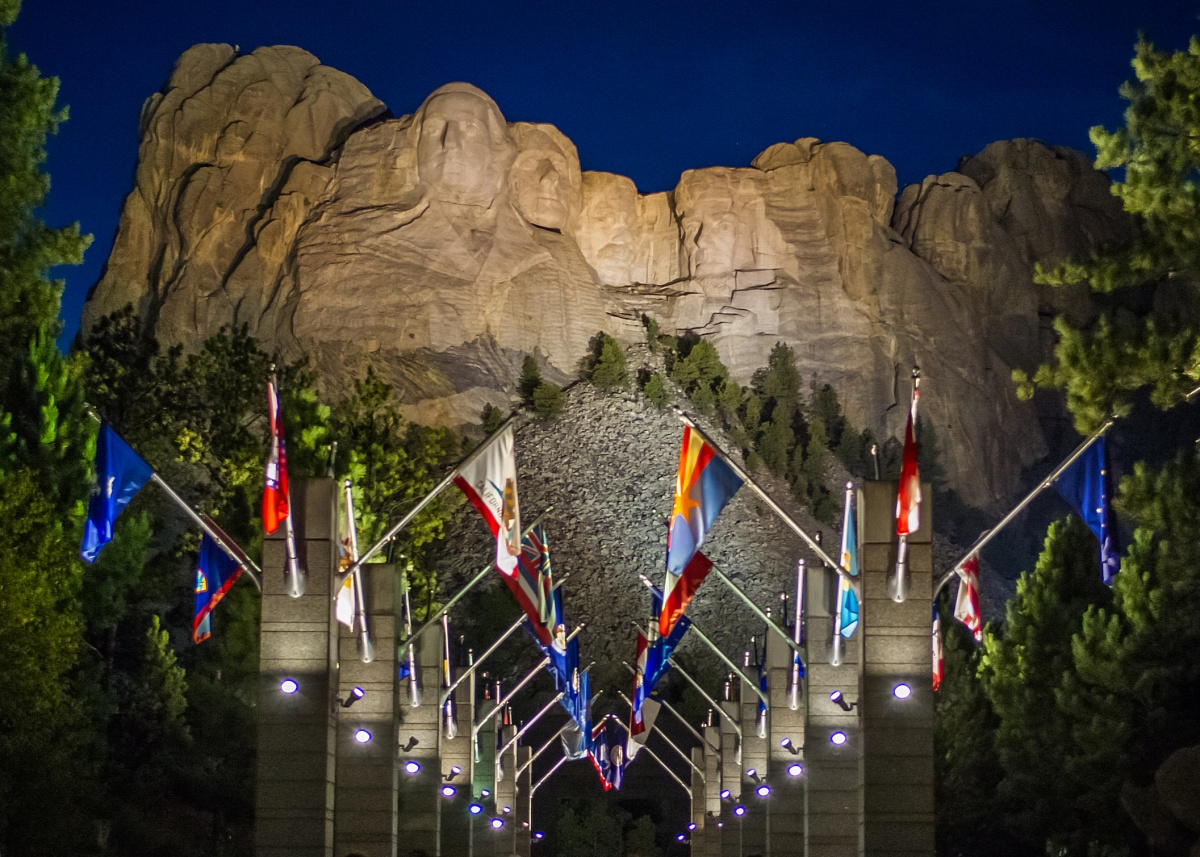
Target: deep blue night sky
[{"x": 646, "y": 89}]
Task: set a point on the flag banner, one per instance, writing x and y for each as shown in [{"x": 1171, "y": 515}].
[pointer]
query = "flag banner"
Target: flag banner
[
  {"x": 661, "y": 648},
  {"x": 966, "y": 607},
  {"x": 578, "y": 703},
  {"x": 847, "y": 617},
  {"x": 679, "y": 592},
  {"x": 939, "y": 656},
  {"x": 275, "y": 477},
  {"x": 216, "y": 572},
  {"x": 490, "y": 483},
  {"x": 608, "y": 753},
  {"x": 703, "y": 485},
  {"x": 120, "y": 474},
  {"x": 599, "y": 752},
  {"x": 644, "y": 709},
  {"x": 533, "y": 587},
  {"x": 1085, "y": 485},
  {"x": 908, "y": 497}
]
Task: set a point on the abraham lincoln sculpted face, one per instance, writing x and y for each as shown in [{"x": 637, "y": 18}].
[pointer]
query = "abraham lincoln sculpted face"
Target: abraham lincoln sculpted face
[{"x": 463, "y": 149}]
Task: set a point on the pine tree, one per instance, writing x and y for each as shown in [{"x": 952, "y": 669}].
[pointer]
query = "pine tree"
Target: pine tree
[
  {"x": 531, "y": 376},
  {"x": 606, "y": 368},
  {"x": 549, "y": 401},
  {"x": 656, "y": 389}
]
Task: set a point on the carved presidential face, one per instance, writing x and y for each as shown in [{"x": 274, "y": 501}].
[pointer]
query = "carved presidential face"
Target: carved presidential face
[
  {"x": 463, "y": 148},
  {"x": 545, "y": 178}
]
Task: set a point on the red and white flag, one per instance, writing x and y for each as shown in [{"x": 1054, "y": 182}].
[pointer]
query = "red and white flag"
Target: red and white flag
[
  {"x": 939, "y": 655},
  {"x": 275, "y": 491},
  {"x": 908, "y": 498},
  {"x": 966, "y": 608},
  {"x": 490, "y": 483}
]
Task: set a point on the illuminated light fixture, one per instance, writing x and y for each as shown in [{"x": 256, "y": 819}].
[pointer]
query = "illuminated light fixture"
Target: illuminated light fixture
[
  {"x": 355, "y": 695},
  {"x": 449, "y": 791},
  {"x": 795, "y": 769},
  {"x": 484, "y": 793},
  {"x": 739, "y": 810},
  {"x": 692, "y": 826},
  {"x": 840, "y": 701},
  {"x": 505, "y": 810},
  {"x": 786, "y": 743},
  {"x": 289, "y": 686},
  {"x": 362, "y": 736},
  {"x": 763, "y": 790},
  {"x": 411, "y": 767},
  {"x": 720, "y": 824},
  {"x": 412, "y": 742},
  {"x": 475, "y": 809},
  {"x": 838, "y": 738},
  {"x": 496, "y": 823},
  {"x": 454, "y": 772},
  {"x": 753, "y": 775},
  {"x": 538, "y": 836},
  {"x": 902, "y": 691},
  {"x": 725, "y": 793},
  {"x": 681, "y": 838}
]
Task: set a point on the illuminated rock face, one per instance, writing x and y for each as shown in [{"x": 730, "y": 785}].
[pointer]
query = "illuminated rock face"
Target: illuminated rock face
[{"x": 443, "y": 246}]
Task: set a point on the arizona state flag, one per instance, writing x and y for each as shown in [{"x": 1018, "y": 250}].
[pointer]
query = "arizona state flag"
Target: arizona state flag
[
  {"x": 847, "y": 615},
  {"x": 908, "y": 498},
  {"x": 275, "y": 490},
  {"x": 966, "y": 607},
  {"x": 490, "y": 483},
  {"x": 216, "y": 572},
  {"x": 703, "y": 485}
]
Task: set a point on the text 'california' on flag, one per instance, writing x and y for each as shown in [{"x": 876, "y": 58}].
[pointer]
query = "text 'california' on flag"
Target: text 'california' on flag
[
  {"x": 703, "y": 485},
  {"x": 908, "y": 497},
  {"x": 275, "y": 481},
  {"x": 490, "y": 483}
]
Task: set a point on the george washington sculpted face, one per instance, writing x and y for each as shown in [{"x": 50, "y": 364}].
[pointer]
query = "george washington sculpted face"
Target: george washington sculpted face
[{"x": 464, "y": 149}]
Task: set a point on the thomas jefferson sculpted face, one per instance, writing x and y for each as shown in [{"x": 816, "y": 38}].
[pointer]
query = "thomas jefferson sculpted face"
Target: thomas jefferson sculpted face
[{"x": 463, "y": 148}]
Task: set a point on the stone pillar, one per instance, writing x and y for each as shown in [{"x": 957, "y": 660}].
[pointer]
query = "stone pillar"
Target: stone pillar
[
  {"x": 418, "y": 741},
  {"x": 831, "y": 771},
  {"x": 897, "y": 796},
  {"x": 708, "y": 757},
  {"x": 754, "y": 758},
  {"x": 365, "y": 791},
  {"x": 786, "y": 802},
  {"x": 504, "y": 839},
  {"x": 523, "y": 810},
  {"x": 456, "y": 753},
  {"x": 296, "y": 749}
]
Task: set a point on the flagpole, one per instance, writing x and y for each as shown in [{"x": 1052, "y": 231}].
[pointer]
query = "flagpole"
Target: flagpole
[
  {"x": 296, "y": 578},
  {"x": 448, "y": 704},
  {"x": 704, "y": 638},
  {"x": 763, "y": 495},
  {"x": 529, "y": 676},
  {"x": 716, "y": 706},
  {"x": 529, "y": 724},
  {"x": 542, "y": 749},
  {"x": 366, "y": 648},
  {"x": 656, "y": 758},
  {"x": 414, "y": 688},
  {"x": 988, "y": 535},
  {"x": 483, "y": 572},
  {"x": 898, "y": 582},
  {"x": 757, "y": 611},
  {"x": 837, "y": 646},
  {"x": 427, "y": 499},
  {"x": 512, "y": 629},
  {"x": 662, "y": 735},
  {"x": 549, "y": 773},
  {"x": 797, "y": 631},
  {"x": 700, "y": 738}
]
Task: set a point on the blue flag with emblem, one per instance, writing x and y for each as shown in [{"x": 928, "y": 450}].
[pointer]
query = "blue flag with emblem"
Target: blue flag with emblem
[
  {"x": 1085, "y": 485},
  {"x": 216, "y": 572},
  {"x": 120, "y": 474},
  {"x": 847, "y": 618}
]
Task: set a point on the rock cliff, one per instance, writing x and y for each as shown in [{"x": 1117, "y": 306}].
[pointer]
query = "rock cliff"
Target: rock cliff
[{"x": 445, "y": 245}]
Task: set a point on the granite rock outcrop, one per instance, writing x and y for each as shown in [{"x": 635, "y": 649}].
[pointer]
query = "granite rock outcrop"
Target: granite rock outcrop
[{"x": 444, "y": 246}]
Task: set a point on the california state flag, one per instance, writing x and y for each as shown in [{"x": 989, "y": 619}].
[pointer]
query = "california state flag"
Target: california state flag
[
  {"x": 490, "y": 483},
  {"x": 966, "y": 607},
  {"x": 908, "y": 498}
]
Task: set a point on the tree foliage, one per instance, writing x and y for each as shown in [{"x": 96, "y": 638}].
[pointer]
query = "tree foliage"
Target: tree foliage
[{"x": 1131, "y": 349}]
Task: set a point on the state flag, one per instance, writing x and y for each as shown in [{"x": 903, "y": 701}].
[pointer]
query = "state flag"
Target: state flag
[
  {"x": 120, "y": 474},
  {"x": 275, "y": 476},
  {"x": 939, "y": 655},
  {"x": 966, "y": 606},
  {"x": 490, "y": 483},
  {"x": 1086, "y": 486},
  {"x": 847, "y": 596},
  {"x": 908, "y": 497},
  {"x": 216, "y": 572}
]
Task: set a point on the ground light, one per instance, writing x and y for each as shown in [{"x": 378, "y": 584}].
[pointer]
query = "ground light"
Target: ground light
[
  {"x": 496, "y": 823},
  {"x": 902, "y": 691},
  {"x": 362, "y": 736},
  {"x": 739, "y": 810},
  {"x": 289, "y": 686},
  {"x": 449, "y": 791},
  {"x": 725, "y": 793},
  {"x": 763, "y": 791},
  {"x": 538, "y": 836},
  {"x": 411, "y": 767},
  {"x": 838, "y": 738},
  {"x": 692, "y": 826},
  {"x": 795, "y": 769},
  {"x": 475, "y": 809}
]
